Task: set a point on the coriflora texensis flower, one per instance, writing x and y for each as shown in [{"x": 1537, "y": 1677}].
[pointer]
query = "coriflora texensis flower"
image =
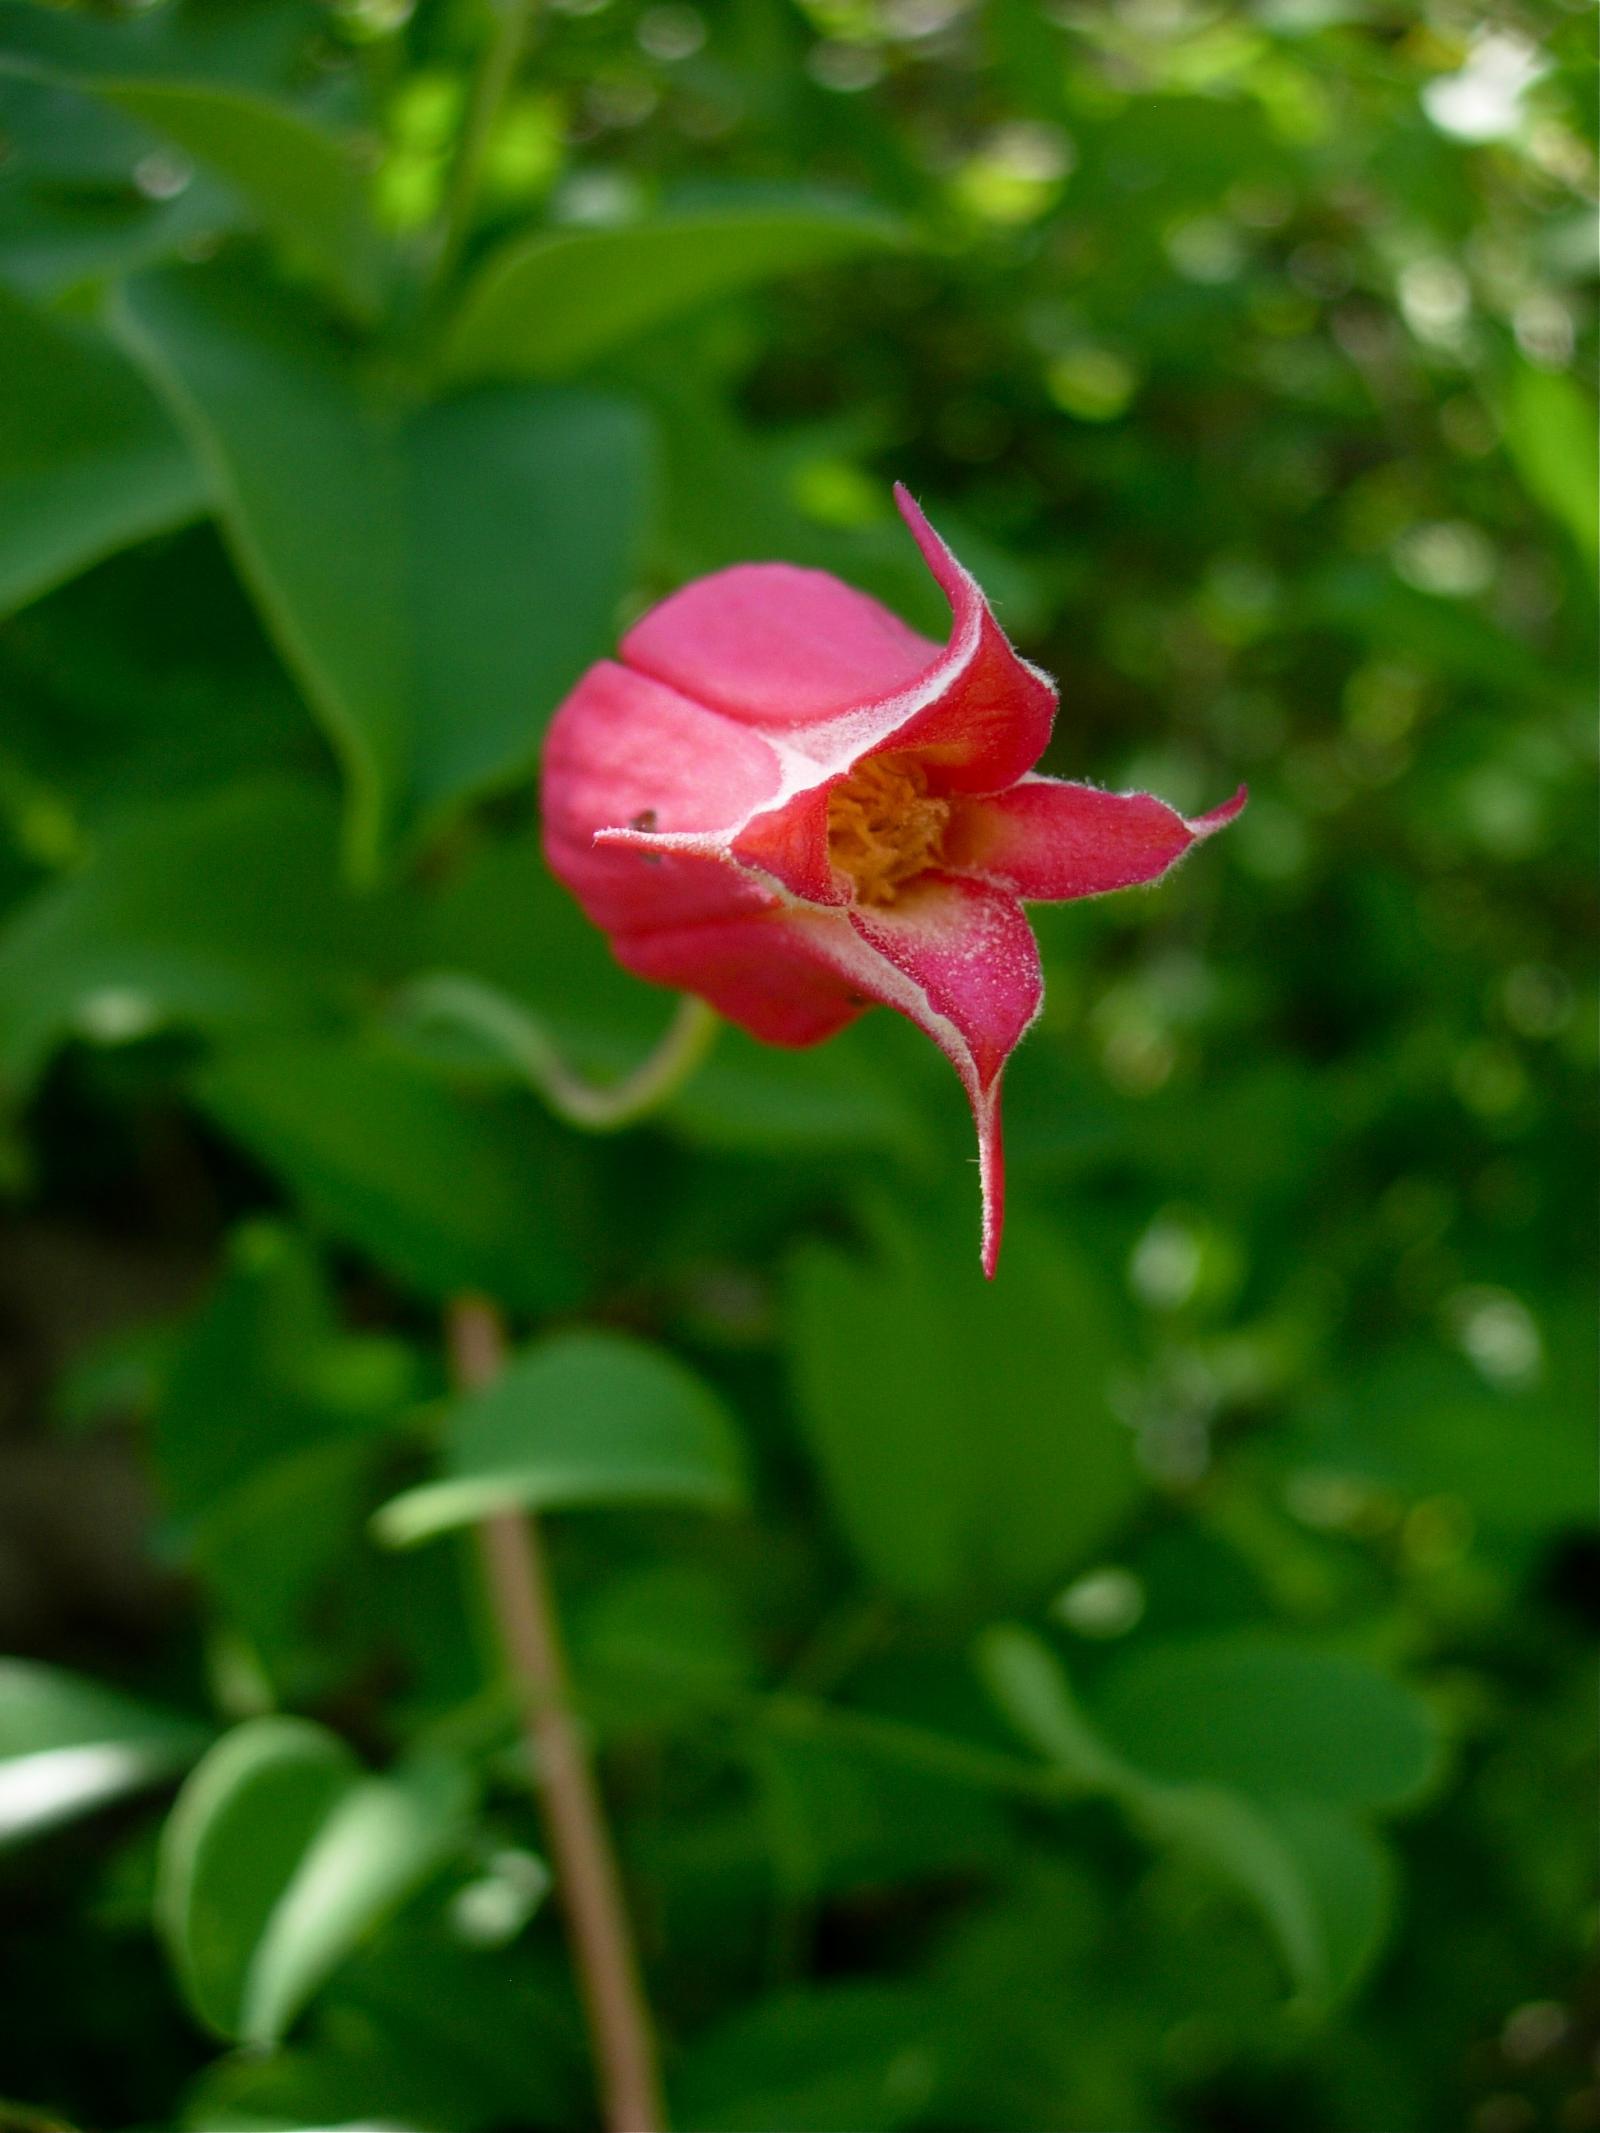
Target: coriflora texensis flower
[{"x": 783, "y": 799}]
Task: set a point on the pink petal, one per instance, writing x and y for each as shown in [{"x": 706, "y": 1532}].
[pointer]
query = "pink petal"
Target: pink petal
[
  {"x": 984, "y": 715},
  {"x": 676, "y": 778},
  {"x": 1051, "y": 841},
  {"x": 955, "y": 957},
  {"x": 771, "y": 973},
  {"x": 777, "y": 646},
  {"x": 804, "y": 657},
  {"x": 965, "y": 969}
]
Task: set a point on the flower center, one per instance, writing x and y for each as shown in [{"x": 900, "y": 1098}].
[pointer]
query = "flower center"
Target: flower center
[{"x": 884, "y": 827}]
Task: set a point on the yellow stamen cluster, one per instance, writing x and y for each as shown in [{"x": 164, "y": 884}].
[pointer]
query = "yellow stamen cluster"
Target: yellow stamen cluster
[{"x": 884, "y": 827}]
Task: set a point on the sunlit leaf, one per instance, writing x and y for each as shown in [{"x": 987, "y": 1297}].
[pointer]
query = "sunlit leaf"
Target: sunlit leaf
[
  {"x": 1551, "y": 431},
  {"x": 279, "y": 1857},
  {"x": 68, "y": 1745}
]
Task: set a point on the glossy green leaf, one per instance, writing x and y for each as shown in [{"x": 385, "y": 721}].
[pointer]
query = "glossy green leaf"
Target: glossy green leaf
[
  {"x": 89, "y": 460},
  {"x": 1271, "y": 1717},
  {"x": 962, "y": 1428},
  {"x": 279, "y": 1857},
  {"x": 443, "y": 1188},
  {"x": 434, "y": 579},
  {"x": 583, "y": 1418},
  {"x": 68, "y": 1746},
  {"x": 544, "y": 306}
]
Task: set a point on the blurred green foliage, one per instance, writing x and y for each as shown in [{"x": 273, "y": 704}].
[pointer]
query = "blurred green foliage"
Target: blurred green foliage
[{"x": 1148, "y": 1694}]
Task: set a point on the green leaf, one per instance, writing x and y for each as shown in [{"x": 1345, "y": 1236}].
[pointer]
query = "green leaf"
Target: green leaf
[
  {"x": 250, "y": 41},
  {"x": 223, "y": 909},
  {"x": 68, "y": 1745},
  {"x": 544, "y": 306},
  {"x": 851, "y": 2057},
  {"x": 584, "y": 1418},
  {"x": 420, "y": 2028},
  {"x": 280, "y": 1856},
  {"x": 963, "y": 1429},
  {"x": 1031, "y": 1687},
  {"x": 306, "y": 186},
  {"x": 750, "y": 1097},
  {"x": 435, "y": 579},
  {"x": 1231, "y": 1839},
  {"x": 89, "y": 461},
  {"x": 1316, "y": 1876},
  {"x": 1271, "y": 1717},
  {"x": 1551, "y": 434},
  {"x": 1350, "y": 1874},
  {"x": 443, "y": 1189}
]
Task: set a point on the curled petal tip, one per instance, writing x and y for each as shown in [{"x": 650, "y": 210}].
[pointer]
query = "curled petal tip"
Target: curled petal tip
[{"x": 1220, "y": 817}]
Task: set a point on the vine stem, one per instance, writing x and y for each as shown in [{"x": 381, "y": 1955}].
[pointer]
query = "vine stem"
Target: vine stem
[
  {"x": 491, "y": 85},
  {"x": 511, "y": 1031},
  {"x": 515, "y": 1572}
]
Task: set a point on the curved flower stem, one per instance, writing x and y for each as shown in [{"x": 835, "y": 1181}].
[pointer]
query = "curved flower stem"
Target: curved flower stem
[
  {"x": 497, "y": 70},
  {"x": 513, "y": 1032},
  {"x": 587, "y": 1881}
]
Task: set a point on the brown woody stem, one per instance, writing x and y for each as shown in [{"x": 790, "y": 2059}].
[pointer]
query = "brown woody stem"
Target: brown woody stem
[{"x": 586, "y": 1875}]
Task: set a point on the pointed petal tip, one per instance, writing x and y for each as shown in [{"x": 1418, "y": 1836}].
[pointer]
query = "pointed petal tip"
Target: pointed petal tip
[
  {"x": 991, "y": 1176},
  {"x": 954, "y": 581},
  {"x": 1208, "y": 824}
]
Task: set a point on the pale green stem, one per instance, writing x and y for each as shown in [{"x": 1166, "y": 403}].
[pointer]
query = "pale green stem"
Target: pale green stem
[
  {"x": 512, "y": 1032},
  {"x": 497, "y": 71}
]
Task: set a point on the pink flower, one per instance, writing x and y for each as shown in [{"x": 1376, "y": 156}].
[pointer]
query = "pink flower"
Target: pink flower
[{"x": 788, "y": 802}]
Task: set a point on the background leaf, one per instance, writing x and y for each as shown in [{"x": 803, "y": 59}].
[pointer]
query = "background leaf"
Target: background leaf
[
  {"x": 1551, "y": 430},
  {"x": 278, "y": 1858},
  {"x": 302, "y": 183},
  {"x": 585, "y": 1418},
  {"x": 445, "y": 1189},
  {"x": 961, "y": 1441},
  {"x": 1280, "y": 1836},
  {"x": 1269, "y": 1717},
  {"x": 437, "y": 579},
  {"x": 545, "y": 306},
  {"x": 89, "y": 462},
  {"x": 69, "y": 1745},
  {"x": 222, "y": 910}
]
